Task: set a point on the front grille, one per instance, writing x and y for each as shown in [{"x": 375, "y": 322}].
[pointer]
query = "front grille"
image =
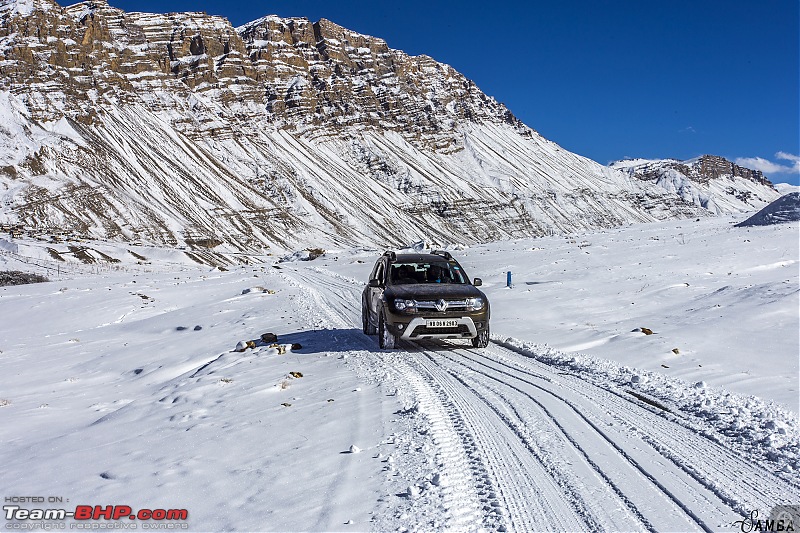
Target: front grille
[{"x": 452, "y": 305}]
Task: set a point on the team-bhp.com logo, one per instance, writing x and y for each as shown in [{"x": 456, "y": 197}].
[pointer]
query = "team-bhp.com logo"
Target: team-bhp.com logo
[{"x": 87, "y": 517}]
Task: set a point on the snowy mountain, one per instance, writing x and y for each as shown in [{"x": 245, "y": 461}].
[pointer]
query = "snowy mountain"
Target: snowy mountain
[
  {"x": 784, "y": 209},
  {"x": 709, "y": 181},
  {"x": 181, "y": 130}
]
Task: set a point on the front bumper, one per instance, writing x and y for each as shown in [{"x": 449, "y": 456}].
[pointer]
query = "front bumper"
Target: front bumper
[{"x": 417, "y": 329}]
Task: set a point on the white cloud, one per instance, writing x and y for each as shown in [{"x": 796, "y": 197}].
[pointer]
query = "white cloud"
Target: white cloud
[
  {"x": 790, "y": 157},
  {"x": 769, "y": 167}
]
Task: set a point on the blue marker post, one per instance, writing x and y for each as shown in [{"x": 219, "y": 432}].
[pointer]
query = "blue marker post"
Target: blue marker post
[{"x": 508, "y": 279}]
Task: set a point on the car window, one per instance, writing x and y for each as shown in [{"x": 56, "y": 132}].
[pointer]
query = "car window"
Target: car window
[{"x": 426, "y": 272}]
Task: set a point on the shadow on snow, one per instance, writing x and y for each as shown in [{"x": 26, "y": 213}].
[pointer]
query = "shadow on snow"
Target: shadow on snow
[{"x": 347, "y": 340}]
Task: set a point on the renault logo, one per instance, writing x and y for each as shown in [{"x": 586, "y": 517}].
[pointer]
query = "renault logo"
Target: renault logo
[{"x": 441, "y": 305}]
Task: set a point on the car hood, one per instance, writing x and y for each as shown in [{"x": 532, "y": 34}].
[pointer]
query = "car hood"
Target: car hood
[{"x": 433, "y": 291}]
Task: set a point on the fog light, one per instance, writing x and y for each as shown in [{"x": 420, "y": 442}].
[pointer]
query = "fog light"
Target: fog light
[{"x": 401, "y": 326}]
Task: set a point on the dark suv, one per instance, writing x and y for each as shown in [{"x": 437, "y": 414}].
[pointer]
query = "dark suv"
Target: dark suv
[{"x": 423, "y": 296}]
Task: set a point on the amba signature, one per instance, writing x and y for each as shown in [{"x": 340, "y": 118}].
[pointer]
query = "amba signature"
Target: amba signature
[{"x": 782, "y": 518}]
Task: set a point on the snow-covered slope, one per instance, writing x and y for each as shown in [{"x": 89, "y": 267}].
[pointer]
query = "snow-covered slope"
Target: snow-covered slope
[
  {"x": 180, "y": 129},
  {"x": 786, "y": 188},
  {"x": 784, "y": 209},
  {"x": 711, "y": 182}
]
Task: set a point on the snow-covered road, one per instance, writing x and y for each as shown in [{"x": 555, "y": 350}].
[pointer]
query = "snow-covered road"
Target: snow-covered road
[{"x": 523, "y": 446}]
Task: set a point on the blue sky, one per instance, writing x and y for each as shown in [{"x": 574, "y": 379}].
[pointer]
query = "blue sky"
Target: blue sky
[{"x": 605, "y": 79}]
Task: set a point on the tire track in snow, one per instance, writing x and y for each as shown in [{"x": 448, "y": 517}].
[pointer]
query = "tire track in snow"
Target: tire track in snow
[
  {"x": 679, "y": 431},
  {"x": 529, "y": 498},
  {"x": 570, "y": 481},
  {"x": 464, "y": 490},
  {"x": 694, "y": 463},
  {"x": 652, "y": 504}
]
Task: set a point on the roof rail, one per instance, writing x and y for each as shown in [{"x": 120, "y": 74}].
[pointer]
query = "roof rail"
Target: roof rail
[
  {"x": 444, "y": 254},
  {"x": 391, "y": 255}
]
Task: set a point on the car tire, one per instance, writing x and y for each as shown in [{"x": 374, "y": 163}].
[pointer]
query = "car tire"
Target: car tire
[
  {"x": 482, "y": 340},
  {"x": 366, "y": 322},
  {"x": 386, "y": 339}
]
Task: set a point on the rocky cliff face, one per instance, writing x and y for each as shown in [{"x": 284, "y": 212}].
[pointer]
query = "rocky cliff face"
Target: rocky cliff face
[
  {"x": 701, "y": 170},
  {"x": 709, "y": 181},
  {"x": 180, "y": 129},
  {"x": 321, "y": 73},
  {"x": 291, "y": 72}
]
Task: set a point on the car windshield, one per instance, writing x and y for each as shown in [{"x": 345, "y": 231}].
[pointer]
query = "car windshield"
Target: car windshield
[{"x": 427, "y": 272}]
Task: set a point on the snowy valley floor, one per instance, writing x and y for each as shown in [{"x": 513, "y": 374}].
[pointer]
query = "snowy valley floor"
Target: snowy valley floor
[{"x": 123, "y": 387}]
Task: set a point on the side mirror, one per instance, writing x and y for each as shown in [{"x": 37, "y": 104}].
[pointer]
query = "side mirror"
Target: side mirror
[
  {"x": 374, "y": 283},
  {"x": 477, "y": 282}
]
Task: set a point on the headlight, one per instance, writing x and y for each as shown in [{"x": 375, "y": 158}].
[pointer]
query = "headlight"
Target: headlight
[
  {"x": 409, "y": 306},
  {"x": 474, "y": 304}
]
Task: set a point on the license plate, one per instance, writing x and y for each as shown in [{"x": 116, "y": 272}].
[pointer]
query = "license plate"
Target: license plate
[{"x": 441, "y": 323}]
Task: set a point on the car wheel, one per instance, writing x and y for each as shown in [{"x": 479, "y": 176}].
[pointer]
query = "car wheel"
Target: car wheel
[
  {"x": 386, "y": 340},
  {"x": 482, "y": 340},
  {"x": 366, "y": 323}
]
